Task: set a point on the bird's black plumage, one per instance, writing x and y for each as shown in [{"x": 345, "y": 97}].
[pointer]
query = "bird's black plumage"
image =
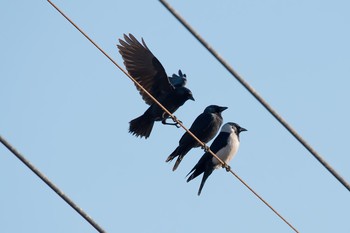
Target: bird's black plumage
[
  {"x": 178, "y": 80},
  {"x": 225, "y": 146},
  {"x": 205, "y": 127},
  {"x": 146, "y": 69}
]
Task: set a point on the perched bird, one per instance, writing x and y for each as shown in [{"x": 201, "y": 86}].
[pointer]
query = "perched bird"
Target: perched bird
[
  {"x": 145, "y": 68},
  {"x": 225, "y": 146},
  {"x": 205, "y": 127}
]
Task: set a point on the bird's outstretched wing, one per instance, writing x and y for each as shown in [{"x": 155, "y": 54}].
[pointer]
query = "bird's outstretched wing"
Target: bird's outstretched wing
[{"x": 143, "y": 66}]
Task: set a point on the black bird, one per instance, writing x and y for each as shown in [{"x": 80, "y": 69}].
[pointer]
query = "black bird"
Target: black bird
[
  {"x": 205, "y": 127},
  {"x": 225, "y": 146},
  {"x": 145, "y": 68}
]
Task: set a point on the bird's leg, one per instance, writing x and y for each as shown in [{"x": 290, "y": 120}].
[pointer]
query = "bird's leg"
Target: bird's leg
[
  {"x": 205, "y": 148},
  {"x": 177, "y": 122},
  {"x": 167, "y": 123}
]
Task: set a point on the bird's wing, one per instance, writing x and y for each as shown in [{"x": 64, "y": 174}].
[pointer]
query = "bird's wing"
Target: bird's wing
[
  {"x": 205, "y": 164},
  {"x": 200, "y": 167},
  {"x": 144, "y": 67},
  {"x": 199, "y": 127},
  {"x": 219, "y": 142}
]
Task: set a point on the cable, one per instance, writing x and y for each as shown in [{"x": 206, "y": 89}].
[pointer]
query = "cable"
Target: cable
[
  {"x": 171, "y": 115},
  {"x": 252, "y": 91},
  {"x": 137, "y": 84},
  {"x": 51, "y": 185}
]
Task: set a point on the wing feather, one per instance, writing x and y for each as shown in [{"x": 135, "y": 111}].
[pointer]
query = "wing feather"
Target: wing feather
[{"x": 144, "y": 67}]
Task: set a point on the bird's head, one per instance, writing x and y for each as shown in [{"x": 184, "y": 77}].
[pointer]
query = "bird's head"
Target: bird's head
[
  {"x": 190, "y": 96},
  {"x": 184, "y": 93},
  {"x": 231, "y": 127},
  {"x": 214, "y": 109}
]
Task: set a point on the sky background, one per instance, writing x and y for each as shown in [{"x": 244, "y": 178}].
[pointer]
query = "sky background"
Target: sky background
[{"x": 66, "y": 107}]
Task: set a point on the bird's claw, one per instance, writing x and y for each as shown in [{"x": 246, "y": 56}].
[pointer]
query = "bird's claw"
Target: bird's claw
[
  {"x": 176, "y": 122},
  {"x": 205, "y": 148},
  {"x": 227, "y": 167}
]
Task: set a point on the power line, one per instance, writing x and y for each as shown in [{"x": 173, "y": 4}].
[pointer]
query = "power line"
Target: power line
[
  {"x": 206, "y": 148},
  {"x": 252, "y": 91},
  {"x": 51, "y": 185},
  {"x": 139, "y": 85}
]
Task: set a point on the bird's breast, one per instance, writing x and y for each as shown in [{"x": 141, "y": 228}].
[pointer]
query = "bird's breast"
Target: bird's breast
[{"x": 227, "y": 152}]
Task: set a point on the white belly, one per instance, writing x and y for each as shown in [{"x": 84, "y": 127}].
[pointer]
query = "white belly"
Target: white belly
[{"x": 228, "y": 152}]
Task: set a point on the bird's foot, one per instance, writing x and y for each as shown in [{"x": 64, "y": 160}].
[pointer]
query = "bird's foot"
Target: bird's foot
[
  {"x": 205, "y": 148},
  {"x": 227, "y": 167},
  {"x": 176, "y": 122}
]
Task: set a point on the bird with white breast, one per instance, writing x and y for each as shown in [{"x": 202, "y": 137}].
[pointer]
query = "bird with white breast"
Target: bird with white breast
[{"x": 225, "y": 146}]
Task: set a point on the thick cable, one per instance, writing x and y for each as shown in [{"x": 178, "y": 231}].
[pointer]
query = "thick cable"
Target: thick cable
[
  {"x": 170, "y": 114},
  {"x": 252, "y": 91},
  {"x": 52, "y": 185}
]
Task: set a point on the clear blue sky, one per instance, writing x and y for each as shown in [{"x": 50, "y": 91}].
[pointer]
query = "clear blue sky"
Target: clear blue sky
[{"x": 66, "y": 108}]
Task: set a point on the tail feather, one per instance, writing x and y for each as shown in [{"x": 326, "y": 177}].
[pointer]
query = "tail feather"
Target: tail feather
[
  {"x": 195, "y": 172},
  {"x": 205, "y": 177},
  {"x": 173, "y": 155},
  {"x": 178, "y": 161},
  {"x": 201, "y": 166},
  {"x": 179, "y": 152},
  {"x": 205, "y": 166},
  {"x": 141, "y": 126}
]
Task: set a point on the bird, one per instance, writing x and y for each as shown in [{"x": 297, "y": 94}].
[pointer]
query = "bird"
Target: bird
[
  {"x": 205, "y": 127},
  {"x": 225, "y": 146},
  {"x": 146, "y": 69}
]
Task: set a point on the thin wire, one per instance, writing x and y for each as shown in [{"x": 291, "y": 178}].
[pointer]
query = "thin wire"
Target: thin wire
[
  {"x": 51, "y": 185},
  {"x": 257, "y": 96},
  {"x": 171, "y": 115},
  {"x": 135, "y": 82}
]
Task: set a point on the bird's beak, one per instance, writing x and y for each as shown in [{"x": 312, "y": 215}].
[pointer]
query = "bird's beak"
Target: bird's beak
[
  {"x": 191, "y": 98},
  {"x": 242, "y": 129},
  {"x": 221, "y": 109}
]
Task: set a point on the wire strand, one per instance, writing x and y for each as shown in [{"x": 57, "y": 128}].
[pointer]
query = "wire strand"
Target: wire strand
[
  {"x": 171, "y": 115},
  {"x": 51, "y": 185},
  {"x": 252, "y": 91},
  {"x": 174, "y": 118}
]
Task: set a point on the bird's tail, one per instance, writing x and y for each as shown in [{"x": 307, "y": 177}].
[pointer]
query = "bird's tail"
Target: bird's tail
[
  {"x": 173, "y": 155},
  {"x": 205, "y": 177},
  {"x": 196, "y": 171},
  {"x": 141, "y": 126},
  {"x": 179, "y": 153},
  {"x": 178, "y": 161},
  {"x": 176, "y": 153}
]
